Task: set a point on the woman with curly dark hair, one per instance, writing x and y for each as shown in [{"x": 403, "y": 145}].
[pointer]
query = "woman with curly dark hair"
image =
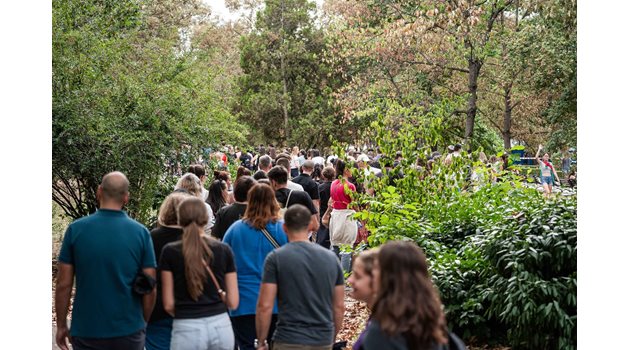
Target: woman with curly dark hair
[{"x": 407, "y": 313}]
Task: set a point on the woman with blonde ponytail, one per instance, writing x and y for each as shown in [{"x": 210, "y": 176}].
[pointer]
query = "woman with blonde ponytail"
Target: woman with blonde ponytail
[{"x": 199, "y": 284}]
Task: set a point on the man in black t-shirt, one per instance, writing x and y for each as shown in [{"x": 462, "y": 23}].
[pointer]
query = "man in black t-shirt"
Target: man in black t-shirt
[
  {"x": 228, "y": 215},
  {"x": 278, "y": 176},
  {"x": 309, "y": 185}
]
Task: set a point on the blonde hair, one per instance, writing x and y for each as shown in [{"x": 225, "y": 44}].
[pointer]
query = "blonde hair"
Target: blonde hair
[
  {"x": 193, "y": 216},
  {"x": 190, "y": 183},
  {"x": 167, "y": 215}
]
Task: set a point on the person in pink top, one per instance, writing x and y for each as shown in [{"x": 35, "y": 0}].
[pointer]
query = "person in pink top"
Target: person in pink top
[{"x": 343, "y": 227}]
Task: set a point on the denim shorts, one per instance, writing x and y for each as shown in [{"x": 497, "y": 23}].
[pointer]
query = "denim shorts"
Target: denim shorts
[
  {"x": 211, "y": 333},
  {"x": 547, "y": 180}
]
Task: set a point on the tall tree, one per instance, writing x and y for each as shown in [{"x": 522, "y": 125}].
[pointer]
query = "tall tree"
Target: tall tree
[
  {"x": 447, "y": 40},
  {"x": 286, "y": 87}
]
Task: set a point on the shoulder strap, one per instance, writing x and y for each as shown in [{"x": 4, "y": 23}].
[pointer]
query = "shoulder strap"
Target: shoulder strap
[
  {"x": 288, "y": 198},
  {"x": 222, "y": 293},
  {"x": 270, "y": 238}
]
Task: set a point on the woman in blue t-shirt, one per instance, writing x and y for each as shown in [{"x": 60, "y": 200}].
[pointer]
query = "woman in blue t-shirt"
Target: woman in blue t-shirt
[{"x": 251, "y": 244}]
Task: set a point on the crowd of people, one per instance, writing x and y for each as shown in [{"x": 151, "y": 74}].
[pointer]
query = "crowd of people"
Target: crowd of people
[{"x": 250, "y": 263}]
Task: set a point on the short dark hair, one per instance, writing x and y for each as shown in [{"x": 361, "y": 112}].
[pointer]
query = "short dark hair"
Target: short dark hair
[
  {"x": 283, "y": 155},
  {"x": 242, "y": 186},
  {"x": 297, "y": 218},
  {"x": 328, "y": 173},
  {"x": 458, "y": 147},
  {"x": 260, "y": 175},
  {"x": 278, "y": 174},
  {"x": 284, "y": 162}
]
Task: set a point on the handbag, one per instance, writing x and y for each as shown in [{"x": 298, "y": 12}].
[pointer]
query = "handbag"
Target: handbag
[
  {"x": 143, "y": 284},
  {"x": 220, "y": 291}
]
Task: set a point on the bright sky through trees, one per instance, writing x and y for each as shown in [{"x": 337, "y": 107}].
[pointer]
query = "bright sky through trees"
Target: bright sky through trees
[{"x": 219, "y": 9}]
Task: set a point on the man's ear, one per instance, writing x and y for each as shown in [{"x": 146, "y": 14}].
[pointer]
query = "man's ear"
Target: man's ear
[
  {"x": 99, "y": 193},
  {"x": 126, "y": 198},
  {"x": 284, "y": 228}
]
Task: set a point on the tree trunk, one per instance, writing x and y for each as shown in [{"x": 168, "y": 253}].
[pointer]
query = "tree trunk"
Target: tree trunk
[
  {"x": 507, "y": 119},
  {"x": 284, "y": 81},
  {"x": 284, "y": 100},
  {"x": 474, "y": 66}
]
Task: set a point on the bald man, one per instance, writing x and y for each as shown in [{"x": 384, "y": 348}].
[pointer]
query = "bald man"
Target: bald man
[{"x": 105, "y": 251}]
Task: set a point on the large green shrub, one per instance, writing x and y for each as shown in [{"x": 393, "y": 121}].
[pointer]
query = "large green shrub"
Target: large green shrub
[
  {"x": 503, "y": 258},
  {"x": 532, "y": 282}
]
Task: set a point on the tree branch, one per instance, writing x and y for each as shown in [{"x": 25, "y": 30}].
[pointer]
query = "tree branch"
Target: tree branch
[
  {"x": 391, "y": 79},
  {"x": 463, "y": 70}
]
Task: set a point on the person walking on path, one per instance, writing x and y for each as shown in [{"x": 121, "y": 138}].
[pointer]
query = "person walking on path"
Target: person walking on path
[
  {"x": 308, "y": 281},
  {"x": 295, "y": 161},
  {"x": 264, "y": 165},
  {"x": 278, "y": 177},
  {"x": 323, "y": 234},
  {"x": 310, "y": 186},
  {"x": 168, "y": 230},
  {"x": 105, "y": 251},
  {"x": 407, "y": 312},
  {"x": 190, "y": 183},
  {"x": 228, "y": 215},
  {"x": 343, "y": 227},
  {"x": 547, "y": 172},
  {"x": 362, "y": 283},
  {"x": 198, "y": 284},
  {"x": 251, "y": 239}
]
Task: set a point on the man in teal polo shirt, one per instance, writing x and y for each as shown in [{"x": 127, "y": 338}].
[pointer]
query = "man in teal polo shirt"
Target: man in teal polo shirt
[{"x": 105, "y": 251}]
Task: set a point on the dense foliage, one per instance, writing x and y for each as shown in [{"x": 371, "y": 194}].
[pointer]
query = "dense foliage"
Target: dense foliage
[
  {"x": 285, "y": 91},
  {"x": 503, "y": 258},
  {"x": 507, "y": 66},
  {"x": 126, "y": 97}
]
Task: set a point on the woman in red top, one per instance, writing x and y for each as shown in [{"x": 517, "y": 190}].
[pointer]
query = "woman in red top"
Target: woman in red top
[{"x": 343, "y": 227}]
